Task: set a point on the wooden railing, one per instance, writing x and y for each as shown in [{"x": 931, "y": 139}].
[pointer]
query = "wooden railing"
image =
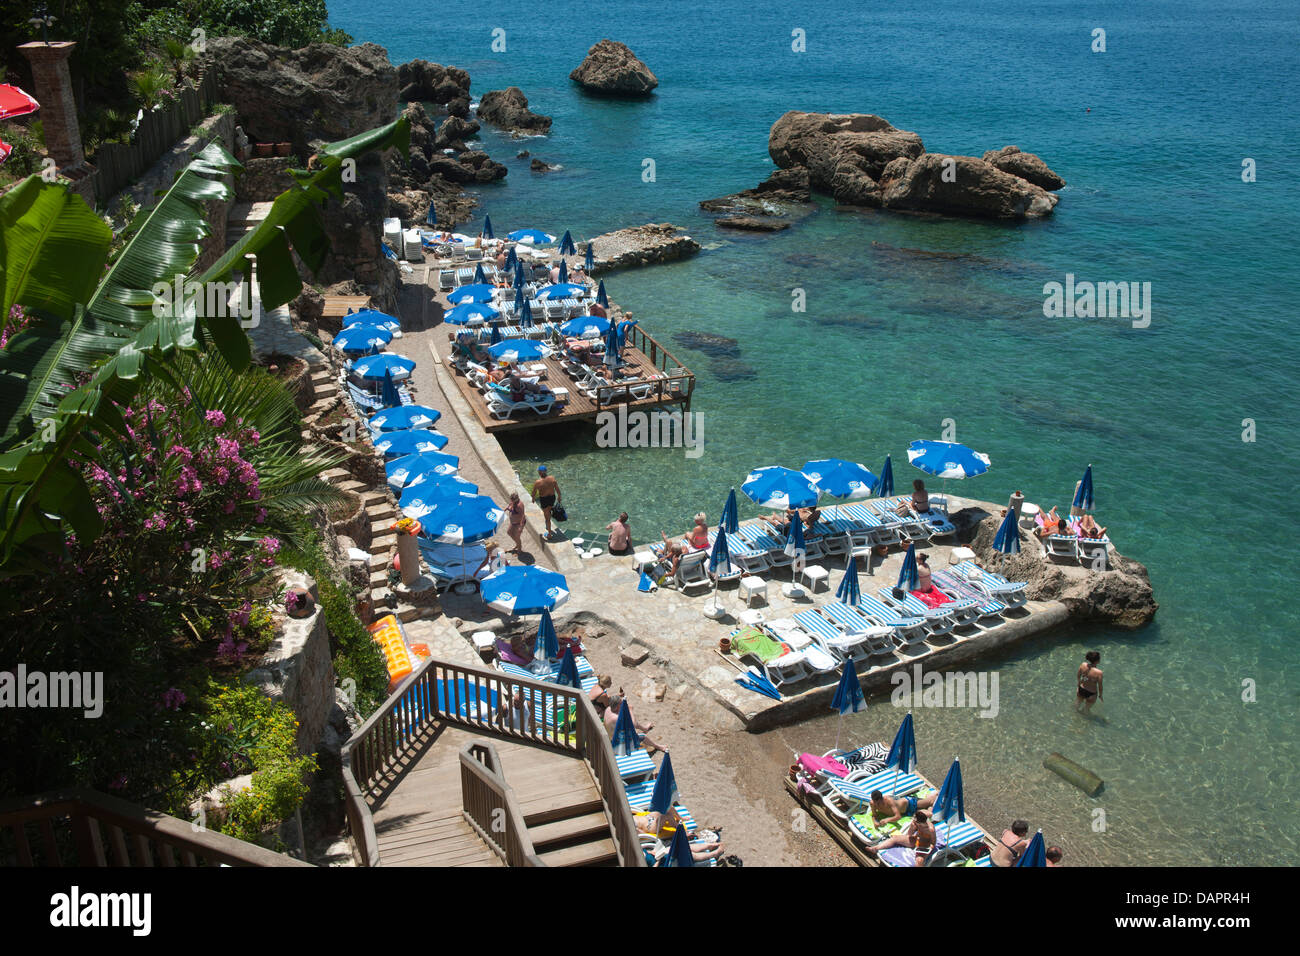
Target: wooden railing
[
  {"x": 491, "y": 808},
  {"x": 80, "y": 827},
  {"x": 462, "y": 694}
]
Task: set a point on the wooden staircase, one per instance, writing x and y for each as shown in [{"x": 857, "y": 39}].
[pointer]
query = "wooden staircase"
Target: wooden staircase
[{"x": 576, "y": 835}]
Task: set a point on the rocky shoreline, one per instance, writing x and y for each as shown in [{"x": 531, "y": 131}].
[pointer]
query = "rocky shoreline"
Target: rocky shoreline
[{"x": 639, "y": 246}]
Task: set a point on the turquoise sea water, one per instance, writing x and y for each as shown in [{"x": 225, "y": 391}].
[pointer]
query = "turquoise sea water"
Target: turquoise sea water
[{"x": 1150, "y": 136}]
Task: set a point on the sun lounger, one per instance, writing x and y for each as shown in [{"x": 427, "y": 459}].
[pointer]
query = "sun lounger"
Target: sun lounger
[
  {"x": 750, "y": 643},
  {"x": 846, "y": 646},
  {"x": 692, "y": 571},
  {"x": 1010, "y": 593},
  {"x": 908, "y": 630},
  {"x": 958, "y": 837},
  {"x": 937, "y": 621},
  {"x": 1062, "y": 546},
  {"x": 1090, "y": 549},
  {"x": 845, "y": 797},
  {"x": 876, "y": 637},
  {"x": 501, "y": 405},
  {"x": 741, "y": 553},
  {"x": 874, "y": 531},
  {"x": 956, "y": 611},
  {"x": 908, "y": 525},
  {"x": 958, "y": 587},
  {"x": 635, "y": 766},
  {"x": 527, "y": 673}
]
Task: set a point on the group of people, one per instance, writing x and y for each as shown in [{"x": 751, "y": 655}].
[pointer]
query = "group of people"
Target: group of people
[
  {"x": 1013, "y": 843},
  {"x": 920, "y": 833},
  {"x": 1085, "y": 526}
]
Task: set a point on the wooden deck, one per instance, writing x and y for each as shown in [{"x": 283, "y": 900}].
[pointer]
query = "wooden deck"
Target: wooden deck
[{"x": 418, "y": 808}]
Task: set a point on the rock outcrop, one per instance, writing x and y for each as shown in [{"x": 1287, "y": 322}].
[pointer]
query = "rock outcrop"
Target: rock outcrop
[
  {"x": 1027, "y": 166},
  {"x": 446, "y": 86},
  {"x": 772, "y": 205},
  {"x": 753, "y": 223},
  {"x": 509, "y": 110},
  {"x": 318, "y": 92},
  {"x": 610, "y": 68},
  {"x": 431, "y": 174},
  {"x": 641, "y": 246},
  {"x": 862, "y": 160}
]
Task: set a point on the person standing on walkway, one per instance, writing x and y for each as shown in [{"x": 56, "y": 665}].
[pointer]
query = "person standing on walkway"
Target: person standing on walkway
[
  {"x": 516, "y": 528},
  {"x": 546, "y": 492},
  {"x": 1088, "y": 679}
]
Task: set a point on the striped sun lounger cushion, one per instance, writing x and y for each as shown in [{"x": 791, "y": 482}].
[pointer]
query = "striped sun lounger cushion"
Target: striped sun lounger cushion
[
  {"x": 887, "y": 781},
  {"x": 635, "y": 764}
]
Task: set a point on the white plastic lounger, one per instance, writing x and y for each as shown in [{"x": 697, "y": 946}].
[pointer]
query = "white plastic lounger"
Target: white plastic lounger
[
  {"x": 1091, "y": 548},
  {"x": 955, "y": 585},
  {"x": 958, "y": 837},
  {"x": 1010, "y": 593},
  {"x": 844, "y": 646},
  {"x": 741, "y": 554},
  {"x": 692, "y": 571},
  {"x": 877, "y": 638},
  {"x": 909, "y": 630},
  {"x": 959, "y": 610},
  {"x": 845, "y": 798},
  {"x": 937, "y": 622},
  {"x": 908, "y": 525},
  {"x": 1062, "y": 546},
  {"x": 635, "y": 765}
]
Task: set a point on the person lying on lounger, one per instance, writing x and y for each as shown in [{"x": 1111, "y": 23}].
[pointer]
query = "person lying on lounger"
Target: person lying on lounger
[
  {"x": 919, "y": 835},
  {"x": 519, "y": 384},
  {"x": 892, "y": 809},
  {"x": 781, "y": 522},
  {"x": 919, "y": 502},
  {"x": 809, "y": 516},
  {"x": 1088, "y": 528},
  {"x": 1049, "y": 524}
]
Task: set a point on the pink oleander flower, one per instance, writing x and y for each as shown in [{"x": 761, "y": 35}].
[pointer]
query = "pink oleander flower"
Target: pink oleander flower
[
  {"x": 215, "y": 417},
  {"x": 259, "y": 516},
  {"x": 173, "y": 698},
  {"x": 155, "y": 522}
]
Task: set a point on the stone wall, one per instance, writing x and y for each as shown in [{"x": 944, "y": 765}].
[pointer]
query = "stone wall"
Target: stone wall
[{"x": 264, "y": 179}]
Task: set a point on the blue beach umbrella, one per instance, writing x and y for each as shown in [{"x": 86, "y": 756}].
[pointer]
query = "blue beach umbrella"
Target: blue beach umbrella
[
  {"x": 561, "y": 290},
  {"x": 404, "y": 416},
  {"x": 526, "y": 589},
  {"x": 612, "y": 358},
  {"x": 421, "y": 497},
  {"x": 388, "y": 251},
  {"x": 520, "y": 301},
  {"x": 403, "y": 471},
  {"x": 361, "y": 339},
  {"x": 511, "y": 259},
  {"x": 409, "y": 442},
  {"x": 567, "y": 674},
  {"x": 463, "y": 518},
  {"x": 526, "y": 316},
  {"x": 516, "y": 350},
  {"x": 585, "y": 325},
  {"x": 601, "y": 296},
  {"x": 902, "y": 753},
  {"x": 546, "y": 646},
  {"x": 496, "y": 335},
  {"x": 567, "y": 247},
  {"x": 530, "y": 237},
  {"x": 1083, "y": 494},
  {"x": 589, "y": 259},
  {"x": 839, "y": 478},
  {"x": 665, "y": 792},
  {"x": 390, "y": 396},
  {"x": 564, "y": 270},
  {"x": 373, "y": 317},
  {"x": 624, "y": 739},
  {"x": 519, "y": 279},
  {"x": 775, "y": 486},
  {"x": 794, "y": 543},
  {"x": 730, "y": 519},
  {"x": 885, "y": 484},
  {"x": 719, "y": 557},
  {"x": 951, "y": 802},
  {"x": 478, "y": 292},
  {"x": 848, "y": 696},
  {"x": 908, "y": 578},
  {"x": 1035, "y": 854},
  {"x": 848, "y": 591},
  {"x": 487, "y": 228},
  {"x": 480, "y": 277},
  {"x": 679, "y": 851},
  {"x": 377, "y": 367},
  {"x": 947, "y": 459},
  {"x": 1007, "y": 539},
  {"x": 431, "y": 217},
  {"x": 464, "y": 314}
]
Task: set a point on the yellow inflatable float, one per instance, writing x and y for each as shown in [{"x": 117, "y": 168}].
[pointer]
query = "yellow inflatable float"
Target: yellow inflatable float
[{"x": 387, "y": 633}]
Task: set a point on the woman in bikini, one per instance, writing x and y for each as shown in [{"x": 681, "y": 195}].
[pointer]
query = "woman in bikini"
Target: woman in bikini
[
  {"x": 699, "y": 535},
  {"x": 516, "y": 529},
  {"x": 1088, "y": 528},
  {"x": 1013, "y": 842},
  {"x": 1048, "y": 525},
  {"x": 1088, "y": 679}
]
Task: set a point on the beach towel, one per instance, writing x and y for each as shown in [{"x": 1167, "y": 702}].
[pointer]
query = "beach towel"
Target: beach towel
[
  {"x": 508, "y": 655},
  {"x": 811, "y": 764},
  {"x": 933, "y": 598},
  {"x": 646, "y": 584},
  {"x": 750, "y": 640}
]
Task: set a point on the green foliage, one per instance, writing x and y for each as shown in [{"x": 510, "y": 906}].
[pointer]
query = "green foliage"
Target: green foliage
[
  {"x": 148, "y": 85},
  {"x": 27, "y": 154}
]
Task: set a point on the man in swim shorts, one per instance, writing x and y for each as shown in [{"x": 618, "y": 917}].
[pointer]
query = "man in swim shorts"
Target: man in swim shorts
[
  {"x": 892, "y": 809},
  {"x": 546, "y": 492}
]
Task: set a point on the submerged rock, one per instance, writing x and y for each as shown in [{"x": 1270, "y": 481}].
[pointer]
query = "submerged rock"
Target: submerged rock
[
  {"x": 773, "y": 204},
  {"x": 538, "y": 166},
  {"x": 611, "y": 68},
  {"x": 710, "y": 343},
  {"x": 508, "y": 109},
  {"x": 753, "y": 223}
]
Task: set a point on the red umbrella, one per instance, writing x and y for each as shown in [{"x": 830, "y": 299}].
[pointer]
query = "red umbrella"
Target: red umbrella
[
  {"x": 16, "y": 102},
  {"x": 5, "y": 150}
]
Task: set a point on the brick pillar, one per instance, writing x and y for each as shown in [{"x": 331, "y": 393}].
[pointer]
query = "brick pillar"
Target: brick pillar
[{"x": 58, "y": 107}]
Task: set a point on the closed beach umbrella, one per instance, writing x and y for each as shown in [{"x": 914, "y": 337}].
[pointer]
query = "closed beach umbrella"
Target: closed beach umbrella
[
  {"x": 526, "y": 317},
  {"x": 547, "y": 645},
  {"x": 561, "y": 290},
  {"x": 512, "y": 260},
  {"x": 1035, "y": 854},
  {"x": 902, "y": 753},
  {"x": 849, "y": 592},
  {"x": 496, "y": 335},
  {"x": 665, "y": 792},
  {"x": 730, "y": 519},
  {"x": 378, "y": 367},
  {"x": 1007, "y": 540},
  {"x": 794, "y": 543},
  {"x": 589, "y": 259},
  {"x": 516, "y": 350},
  {"x": 885, "y": 485},
  {"x": 840, "y": 479},
  {"x": 470, "y": 311},
  {"x": 487, "y": 228},
  {"x": 775, "y": 486},
  {"x": 567, "y": 248},
  {"x": 601, "y": 296},
  {"x": 530, "y": 237},
  {"x": 480, "y": 277},
  {"x": 526, "y": 589},
  {"x": 612, "y": 358},
  {"x": 421, "y": 497},
  {"x": 478, "y": 292},
  {"x": 567, "y": 674},
  {"x": 624, "y": 739},
  {"x": 431, "y": 217},
  {"x": 907, "y": 574},
  {"x": 520, "y": 278},
  {"x": 585, "y": 325},
  {"x": 404, "y": 416},
  {"x": 947, "y": 459},
  {"x": 410, "y": 441},
  {"x": 848, "y": 696},
  {"x": 403, "y": 471},
  {"x": 390, "y": 396},
  {"x": 679, "y": 851},
  {"x": 719, "y": 561},
  {"x": 950, "y": 804},
  {"x": 564, "y": 270},
  {"x": 520, "y": 301},
  {"x": 1083, "y": 493},
  {"x": 362, "y": 339}
]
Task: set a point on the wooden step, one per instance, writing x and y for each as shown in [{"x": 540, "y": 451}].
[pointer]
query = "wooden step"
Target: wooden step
[
  {"x": 567, "y": 832},
  {"x": 596, "y": 853},
  {"x": 567, "y": 812}
]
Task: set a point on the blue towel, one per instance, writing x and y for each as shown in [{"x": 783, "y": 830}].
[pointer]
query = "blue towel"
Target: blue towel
[{"x": 645, "y": 584}]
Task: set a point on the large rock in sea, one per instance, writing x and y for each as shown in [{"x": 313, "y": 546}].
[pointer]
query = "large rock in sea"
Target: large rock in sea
[
  {"x": 321, "y": 91},
  {"x": 1027, "y": 166},
  {"x": 964, "y": 186},
  {"x": 844, "y": 153},
  {"x": 432, "y": 82},
  {"x": 508, "y": 109},
  {"x": 614, "y": 70}
]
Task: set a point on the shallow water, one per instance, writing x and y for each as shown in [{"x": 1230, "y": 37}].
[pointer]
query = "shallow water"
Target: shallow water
[{"x": 894, "y": 341}]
